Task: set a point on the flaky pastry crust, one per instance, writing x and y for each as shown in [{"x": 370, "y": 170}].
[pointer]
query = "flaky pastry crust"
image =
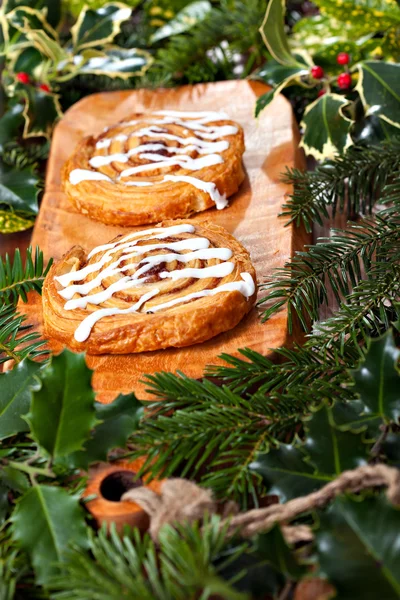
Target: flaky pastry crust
[
  {"x": 191, "y": 321},
  {"x": 118, "y": 199}
]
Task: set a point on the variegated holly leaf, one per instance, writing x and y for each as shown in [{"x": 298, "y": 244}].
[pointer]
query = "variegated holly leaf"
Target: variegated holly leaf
[
  {"x": 116, "y": 62},
  {"x": 27, "y": 61},
  {"x": 11, "y": 222},
  {"x": 294, "y": 78},
  {"x": 273, "y": 33},
  {"x": 379, "y": 89},
  {"x": 183, "y": 20},
  {"x": 362, "y": 16},
  {"x": 18, "y": 190},
  {"x": 26, "y": 19},
  {"x": 326, "y": 129},
  {"x": 50, "y": 8},
  {"x": 10, "y": 124},
  {"x": 99, "y": 27},
  {"x": 42, "y": 110}
]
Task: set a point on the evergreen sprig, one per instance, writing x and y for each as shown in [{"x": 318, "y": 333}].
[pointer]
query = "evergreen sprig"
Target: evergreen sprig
[
  {"x": 187, "y": 564},
  {"x": 202, "y": 428},
  {"x": 17, "y": 279},
  {"x": 338, "y": 263},
  {"x": 15, "y": 341},
  {"x": 352, "y": 182}
]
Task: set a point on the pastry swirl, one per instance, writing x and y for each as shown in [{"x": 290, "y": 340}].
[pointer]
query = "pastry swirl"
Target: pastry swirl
[
  {"x": 156, "y": 166},
  {"x": 176, "y": 284}
]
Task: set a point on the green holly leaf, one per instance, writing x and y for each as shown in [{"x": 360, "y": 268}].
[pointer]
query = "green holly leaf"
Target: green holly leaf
[
  {"x": 27, "y": 61},
  {"x": 326, "y": 130},
  {"x": 10, "y": 125},
  {"x": 379, "y": 89},
  {"x": 42, "y": 110},
  {"x": 357, "y": 544},
  {"x": 274, "y": 73},
  {"x": 184, "y": 20},
  {"x": 377, "y": 380},
  {"x": 298, "y": 469},
  {"x": 16, "y": 387},
  {"x": 273, "y": 33},
  {"x": 45, "y": 523},
  {"x": 329, "y": 449},
  {"x": 117, "y": 421},
  {"x": 272, "y": 547},
  {"x": 62, "y": 411},
  {"x": 116, "y": 62},
  {"x": 10, "y": 222},
  {"x": 18, "y": 190},
  {"x": 99, "y": 27}
]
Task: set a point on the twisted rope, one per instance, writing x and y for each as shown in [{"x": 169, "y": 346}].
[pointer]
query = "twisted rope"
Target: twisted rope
[{"x": 183, "y": 500}]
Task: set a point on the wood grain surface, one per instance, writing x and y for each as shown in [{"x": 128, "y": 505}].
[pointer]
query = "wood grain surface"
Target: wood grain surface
[{"x": 271, "y": 145}]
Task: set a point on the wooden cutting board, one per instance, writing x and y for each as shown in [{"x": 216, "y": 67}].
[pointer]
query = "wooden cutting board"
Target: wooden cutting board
[{"x": 252, "y": 216}]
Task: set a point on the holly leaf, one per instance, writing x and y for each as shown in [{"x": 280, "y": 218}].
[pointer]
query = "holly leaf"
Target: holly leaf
[
  {"x": 26, "y": 19},
  {"x": 116, "y": 62},
  {"x": 379, "y": 89},
  {"x": 293, "y": 79},
  {"x": 51, "y": 8},
  {"x": 18, "y": 190},
  {"x": 117, "y": 421},
  {"x": 62, "y": 411},
  {"x": 184, "y": 20},
  {"x": 99, "y": 27},
  {"x": 326, "y": 130},
  {"x": 274, "y": 73},
  {"x": 27, "y": 61},
  {"x": 358, "y": 550},
  {"x": 298, "y": 469},
  {"x": 361, "y": 14},
  {"x": 272, "y": 547},
  {"x": 14, "y": 479},
  {"x": 377, "y": 380},
  {"x": 41, "y": 111},
  {"x": 10, "y": 124},
  {"x": 329, "y": 449},
  {"x": 10, "y": 222},
  {"x": 45, "y": 522},
  {"x": 16, "y": 387},
  {"x": 273, "y": 33}
]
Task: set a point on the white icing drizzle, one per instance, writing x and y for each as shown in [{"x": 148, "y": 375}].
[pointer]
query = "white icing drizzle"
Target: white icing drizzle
[
  {"x": 83, "y": 330},
  {"x": 78, "y": 295},
  {"x": 245, "y": 287},
  {"x": 205, "y": 186},
  {"x": 78, "y": 175},
  {"x": 200, "y": 122}
]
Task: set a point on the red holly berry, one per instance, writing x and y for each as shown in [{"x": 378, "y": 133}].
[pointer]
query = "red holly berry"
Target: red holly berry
[
  {"x": 22, "y": 77},
  {"x": 321, "y": 93},
  {"x": 317, "y": 72},
  {"x": 44, "y": 87},
  {"x": 344, "y": 81},
  {"x": 343, "y": 58}
]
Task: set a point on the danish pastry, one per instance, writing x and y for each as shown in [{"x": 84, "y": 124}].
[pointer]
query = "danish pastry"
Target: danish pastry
[
  {"x": 176, "y": 284},
  {"x": 156, "y": 166}
]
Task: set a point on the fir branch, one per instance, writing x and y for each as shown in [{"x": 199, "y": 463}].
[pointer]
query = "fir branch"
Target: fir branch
[
  {"x": 324, "y": 376},
  {"x": 188, "y": 563},
  {"x": 16, "y": 280},
  {"x": 353, "y": 181},
  {"x": 201, "y": 427},
  {"x": 15, "y": 343},
  {"x": 367, "y": 312},
  {"x": 338, "y": 261}
]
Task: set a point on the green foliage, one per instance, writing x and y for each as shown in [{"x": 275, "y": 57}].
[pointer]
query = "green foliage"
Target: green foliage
[
  {"x": 16, "y": 343},
  {"x": 46, "y": 521},
  {"x": 18, "y": 195},
  {"x": 357, "y": 546},
  {"x": 16, "y": 280},
  {"x": 352, "y": 182},
  {"x": 62, "y": 410},
  {"x": 16, "y": 390},
  {"x": 189, "y": 561},
  {"x": 332, "y": 122},
  {"x": 300, "y": 468}
]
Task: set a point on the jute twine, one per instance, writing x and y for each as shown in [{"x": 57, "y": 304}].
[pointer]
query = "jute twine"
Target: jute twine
[{"x": 184, "y": 501}]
